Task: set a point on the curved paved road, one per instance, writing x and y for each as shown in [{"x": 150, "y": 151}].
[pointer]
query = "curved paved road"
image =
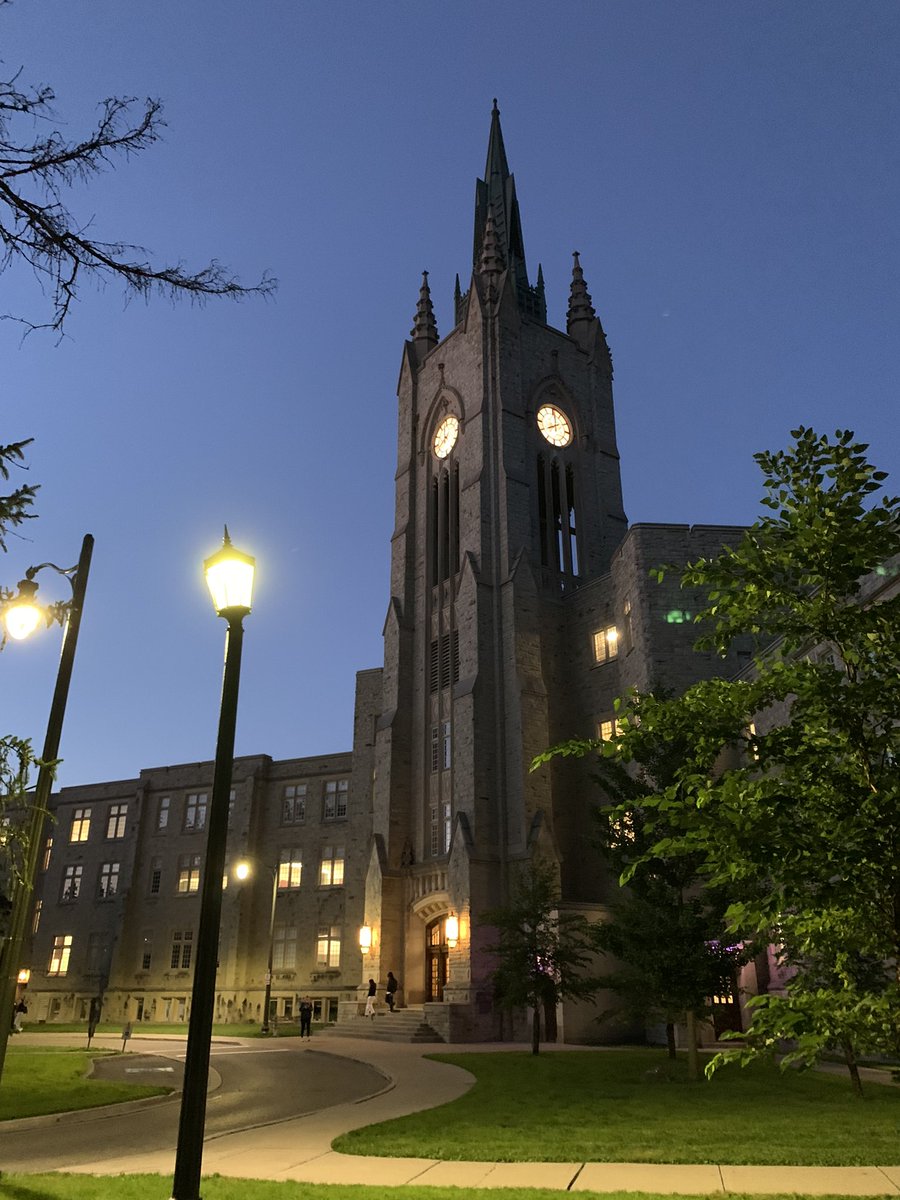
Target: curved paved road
[{"x": 249, "y": 1086}]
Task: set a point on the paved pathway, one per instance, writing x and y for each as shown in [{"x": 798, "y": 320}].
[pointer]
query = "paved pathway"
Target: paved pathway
[{"x": 300, "y": 1148}]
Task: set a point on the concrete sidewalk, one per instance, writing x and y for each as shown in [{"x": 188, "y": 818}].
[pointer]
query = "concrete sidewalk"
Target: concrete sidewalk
[{"x": 300, "y": 1148}]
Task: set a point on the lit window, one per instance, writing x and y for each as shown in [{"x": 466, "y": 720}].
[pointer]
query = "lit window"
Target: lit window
[
  {"x": 48, "y": 850},
  {"x": 328, "y": 946},
  {"x": 59, "y": 956},
  {"x": 162, "y": 812},
  {"x": 606, "y": 644},
  {"x": 155, "y": 875},
  {"x": 195, "y": 811},
  {"x": 81, "y": 825},
  {"x": 290, "y": 867},
  {"x": 608, "y": 728},
  {"x": 115, "y": 822},
  {"x": 188, "y": 873},
  {"x": 71, "y": 884},
  {"x": 284, "y": 947},
  {"x": 332, "y": 870},
  {"x": 109, "y": 880},
  {"x": 36, "y": 919},
  {"x": 182, "y": 945},
  {"x": 293, "y": 805},
  {"x": 336, "y": 792}
]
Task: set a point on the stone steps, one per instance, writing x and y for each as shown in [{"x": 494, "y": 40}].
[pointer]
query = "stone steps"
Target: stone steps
[{"x": 401, "y": 1025}]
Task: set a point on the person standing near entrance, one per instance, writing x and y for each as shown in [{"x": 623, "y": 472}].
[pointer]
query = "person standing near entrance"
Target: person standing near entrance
[
  {"x": 370, "y": 1000},
  {"x": 392, "y": 986},
  {"x": 306, "y": 1010}
]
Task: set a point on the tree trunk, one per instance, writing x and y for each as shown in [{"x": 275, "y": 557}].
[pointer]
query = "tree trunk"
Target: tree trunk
[
  {"x": 850, "y": 1059},
  {"x": 670, "y": 1038},
  {"x": 693, "y": 1057},
  {"x": 536, "y": 1029}
]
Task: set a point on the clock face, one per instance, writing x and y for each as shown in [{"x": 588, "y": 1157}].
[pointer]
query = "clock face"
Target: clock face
[
  {"x": 554, "y": 425},
  {"x": 445, "y": 436}
]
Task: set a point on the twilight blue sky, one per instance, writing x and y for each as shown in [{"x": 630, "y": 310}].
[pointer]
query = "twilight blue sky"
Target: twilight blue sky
[{"x": 730, "y": 174}]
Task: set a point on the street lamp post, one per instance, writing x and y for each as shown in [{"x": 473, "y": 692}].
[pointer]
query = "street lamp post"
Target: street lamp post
[
  {"x": 229, "y": 575},
  {"x": 243, "y": 871},
  {"x": 21, "y": 616}
]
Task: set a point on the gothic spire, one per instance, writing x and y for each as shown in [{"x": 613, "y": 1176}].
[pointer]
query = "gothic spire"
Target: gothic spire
[
  {"x": 496, "y": 195},
  {"x": 424, "y": 331},
  {"x": 491, "y": 261},
  {"x": 580, "y": 306}
]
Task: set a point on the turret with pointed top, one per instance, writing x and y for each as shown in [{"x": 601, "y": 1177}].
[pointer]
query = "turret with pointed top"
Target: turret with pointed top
[
  {"x": 582, "y": 322},
  {"x": 424, "y": 332}
]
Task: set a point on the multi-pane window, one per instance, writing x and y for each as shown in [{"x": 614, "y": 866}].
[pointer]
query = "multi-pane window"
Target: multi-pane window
[
  {"x": 293, "y": 804},
  {"x": 195, "y": 811},
  {"x": 155, "y": 875},
  {"x": 435, "y": 832},
  {"x": 328, "y": 946},
  {"x": 36, "y": 918},
  {"x": 115, "y": 822},
  {"x": 71, "y": 883},
  {"x": 446, "y": 825},
  {"x": 109, "y": 880},
  {"x": 336, "y": 792},
  {"x": 331, "y": 872},
  {"x": 606, "y": 644},
  {"x": 627, "y": 627},
  {"x": 81, "y": 825},
  {"x": 162, "y": 812},
  {"x": 146, "y": 950},
  {"x": 182, "y": 946},
  {"x": 440, "y": 747},
  {"x": 59, "y": 955},
  {"x": 284, "y": 947},
  {"x": 232, "y": 796},
  {"x": 48, "y": 851},
  {"x": 188, "y": 873},
  {"x": 290, "y": 867},
  {"x": 608, "y": 728}
]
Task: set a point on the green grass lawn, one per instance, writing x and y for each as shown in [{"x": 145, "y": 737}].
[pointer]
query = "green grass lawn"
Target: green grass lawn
[
  {"x": 38, "y": 1081},
  {"x": 612, "y": 1106},
  {"x": 114, "y": 1029},
  {"x": 153, "y": 1187}
]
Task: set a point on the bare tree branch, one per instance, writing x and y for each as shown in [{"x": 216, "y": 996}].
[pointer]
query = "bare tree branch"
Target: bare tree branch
[{"x": 37, "y": 227}]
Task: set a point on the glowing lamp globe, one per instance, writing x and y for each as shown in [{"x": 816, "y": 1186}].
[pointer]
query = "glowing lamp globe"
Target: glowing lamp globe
[
  {"x": 365, "y": 938},
  {"x": 229, "y": 577},
  {"x": 242, "y": 871},
  {"x": 22, "y": 615}
]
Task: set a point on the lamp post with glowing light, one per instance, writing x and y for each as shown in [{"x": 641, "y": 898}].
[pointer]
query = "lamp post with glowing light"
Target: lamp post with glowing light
[
  {"x": 21, "y": 616},
  {"x": 229, "y": 576},
  {"x": 243, "y": 870}
]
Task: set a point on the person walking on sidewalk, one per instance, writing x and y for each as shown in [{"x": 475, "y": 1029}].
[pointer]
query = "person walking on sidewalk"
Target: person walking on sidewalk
[
  {"x": 392, "y": 986},
  {"x": 370, "y": 1000},
  {"x": 306, "y": 1010}
]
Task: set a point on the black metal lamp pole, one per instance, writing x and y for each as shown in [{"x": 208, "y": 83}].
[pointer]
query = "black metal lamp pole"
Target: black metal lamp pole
[
  {"x": 265, "y": 1023},
  {"x": 24, "y": 889},
  {"x": 191, "y": 1125}
]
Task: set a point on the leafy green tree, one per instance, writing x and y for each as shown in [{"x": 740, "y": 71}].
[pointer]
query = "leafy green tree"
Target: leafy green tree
[
  {"x": 542, "y": 951},
  {"x": 789, "y": 792}
]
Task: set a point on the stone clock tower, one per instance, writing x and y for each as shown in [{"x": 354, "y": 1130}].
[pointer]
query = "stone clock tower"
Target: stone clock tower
[{"x": 508, "y": 502}]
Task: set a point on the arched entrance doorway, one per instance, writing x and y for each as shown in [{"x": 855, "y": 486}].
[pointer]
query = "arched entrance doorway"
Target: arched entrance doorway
[{"x": 437, "y": 954}]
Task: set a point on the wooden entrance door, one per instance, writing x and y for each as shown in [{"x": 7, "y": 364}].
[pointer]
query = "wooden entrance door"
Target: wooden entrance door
[{"x": 436, "y": 955}]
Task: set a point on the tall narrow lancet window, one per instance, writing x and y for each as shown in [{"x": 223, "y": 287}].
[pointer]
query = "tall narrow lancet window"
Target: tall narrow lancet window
[
  {"x": 557, "y": 517},
  {"x": 443, "y": 525}
]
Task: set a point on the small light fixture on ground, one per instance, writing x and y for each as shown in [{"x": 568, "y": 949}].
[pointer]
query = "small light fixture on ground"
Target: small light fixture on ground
[{"x": 229, "y": 576}]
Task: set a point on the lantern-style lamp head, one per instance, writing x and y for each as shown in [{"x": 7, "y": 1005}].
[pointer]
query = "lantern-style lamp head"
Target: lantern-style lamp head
[
  {"x": 365, "y": 938},
  {"x": 451, "y": 930},
  {"x": 24, "y": 975},
  {"x": 242, "y": 871},
  {"x": 229, "y": 577},
  {"x": 22, "y": 615}
]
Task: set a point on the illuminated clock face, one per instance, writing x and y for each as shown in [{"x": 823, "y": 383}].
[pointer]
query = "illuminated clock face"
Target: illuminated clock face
[
  {"x": 446, "y": 435},
  {"x": 554, "y": 425}
]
